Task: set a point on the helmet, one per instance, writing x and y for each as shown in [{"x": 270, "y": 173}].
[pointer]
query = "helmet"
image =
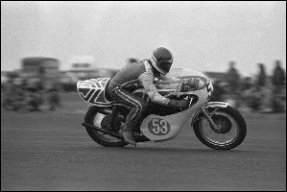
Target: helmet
[{"x": 161, "y": 60}]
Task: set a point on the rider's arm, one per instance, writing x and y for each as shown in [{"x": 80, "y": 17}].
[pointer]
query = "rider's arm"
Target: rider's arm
[{"x": 146, "y": 79}]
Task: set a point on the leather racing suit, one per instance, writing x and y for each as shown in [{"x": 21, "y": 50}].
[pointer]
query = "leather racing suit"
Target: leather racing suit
[{"x": 134, "y": 75}]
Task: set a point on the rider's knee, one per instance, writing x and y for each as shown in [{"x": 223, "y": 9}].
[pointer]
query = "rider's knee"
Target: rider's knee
[{"x": 144, "y": 106}]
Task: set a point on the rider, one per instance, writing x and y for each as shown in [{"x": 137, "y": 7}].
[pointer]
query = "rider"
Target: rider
[{"x": 138, "y": 74}]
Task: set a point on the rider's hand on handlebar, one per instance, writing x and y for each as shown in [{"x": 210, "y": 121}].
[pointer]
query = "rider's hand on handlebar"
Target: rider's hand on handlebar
[{"x": 175, "y": 104}]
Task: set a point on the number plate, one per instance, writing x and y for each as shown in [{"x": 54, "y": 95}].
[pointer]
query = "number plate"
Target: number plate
[{"x": 159, "y": 126}]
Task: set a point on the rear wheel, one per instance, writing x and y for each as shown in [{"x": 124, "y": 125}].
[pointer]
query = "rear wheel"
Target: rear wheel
[
  {"x": 230, "y": 133},
  {"x": 100, "y": 120}
]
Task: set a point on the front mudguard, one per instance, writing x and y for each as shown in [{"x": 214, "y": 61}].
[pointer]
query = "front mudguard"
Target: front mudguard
[
  {"x": 216, "y": 104},
  {"x": 210, "y": 105}
]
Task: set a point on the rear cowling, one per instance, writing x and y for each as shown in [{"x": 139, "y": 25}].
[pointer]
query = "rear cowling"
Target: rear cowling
[{"x": 92, "y": 91}]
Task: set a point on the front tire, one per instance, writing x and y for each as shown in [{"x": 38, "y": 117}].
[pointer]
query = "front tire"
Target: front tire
[
  {"x": 98, "y": 137},
  {"x": 228, "y": 117}
]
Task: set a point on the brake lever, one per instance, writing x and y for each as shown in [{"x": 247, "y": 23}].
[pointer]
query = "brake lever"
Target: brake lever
[{"x": 190, "y": 99}]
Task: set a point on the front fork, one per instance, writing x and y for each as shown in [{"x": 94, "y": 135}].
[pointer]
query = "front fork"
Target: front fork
[{"x": 209, "y": 119}]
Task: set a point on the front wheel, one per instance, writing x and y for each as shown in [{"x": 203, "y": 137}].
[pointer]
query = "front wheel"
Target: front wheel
[{"x": 230, "y": 133}]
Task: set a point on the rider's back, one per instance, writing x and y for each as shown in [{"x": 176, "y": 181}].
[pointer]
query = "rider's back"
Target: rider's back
[{"x": 128, "y": 75}]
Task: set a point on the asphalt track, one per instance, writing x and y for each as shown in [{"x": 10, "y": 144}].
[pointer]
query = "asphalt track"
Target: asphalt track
[{"x": 52, "y": 151}]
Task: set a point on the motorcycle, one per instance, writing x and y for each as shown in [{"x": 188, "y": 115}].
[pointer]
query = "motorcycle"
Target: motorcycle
[{"x": 216, "y": 124}]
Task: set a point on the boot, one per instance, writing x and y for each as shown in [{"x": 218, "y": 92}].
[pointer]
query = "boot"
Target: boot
[{"x": 128, "y": 135}]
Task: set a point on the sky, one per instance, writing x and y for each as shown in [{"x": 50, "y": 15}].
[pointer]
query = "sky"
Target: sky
[{"x": 202, "y": 36}]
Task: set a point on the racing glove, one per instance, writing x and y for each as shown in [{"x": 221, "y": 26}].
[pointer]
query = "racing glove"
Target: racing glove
[{"x": 181, "y": 105}]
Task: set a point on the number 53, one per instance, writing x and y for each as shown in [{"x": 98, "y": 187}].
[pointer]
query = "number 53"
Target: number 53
[{"x": 159, "y": 126}]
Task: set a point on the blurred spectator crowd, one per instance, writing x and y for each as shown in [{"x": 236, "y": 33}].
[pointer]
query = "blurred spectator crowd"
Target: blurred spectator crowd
[
  {"x": 27, "y": 94},
  {"x": 260, "y": 93}
]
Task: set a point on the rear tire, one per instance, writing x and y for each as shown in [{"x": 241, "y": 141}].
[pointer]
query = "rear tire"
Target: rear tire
[
  {"x": 96, "y": 135},
  {"x": 237, "y": 117}
]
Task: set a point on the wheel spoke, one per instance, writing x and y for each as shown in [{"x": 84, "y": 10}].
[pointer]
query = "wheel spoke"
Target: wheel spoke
[{"x": 216, "y": 137}]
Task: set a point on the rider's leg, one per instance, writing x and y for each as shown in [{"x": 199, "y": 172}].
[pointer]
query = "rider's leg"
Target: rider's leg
[{"x": 136, "y": 107}]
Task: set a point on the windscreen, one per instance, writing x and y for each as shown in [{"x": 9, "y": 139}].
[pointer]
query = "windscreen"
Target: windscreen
[{"x": 182, "y": 80}]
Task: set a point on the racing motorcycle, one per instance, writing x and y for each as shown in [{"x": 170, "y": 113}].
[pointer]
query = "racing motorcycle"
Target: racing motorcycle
[{"x": 216, "y": 124}]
